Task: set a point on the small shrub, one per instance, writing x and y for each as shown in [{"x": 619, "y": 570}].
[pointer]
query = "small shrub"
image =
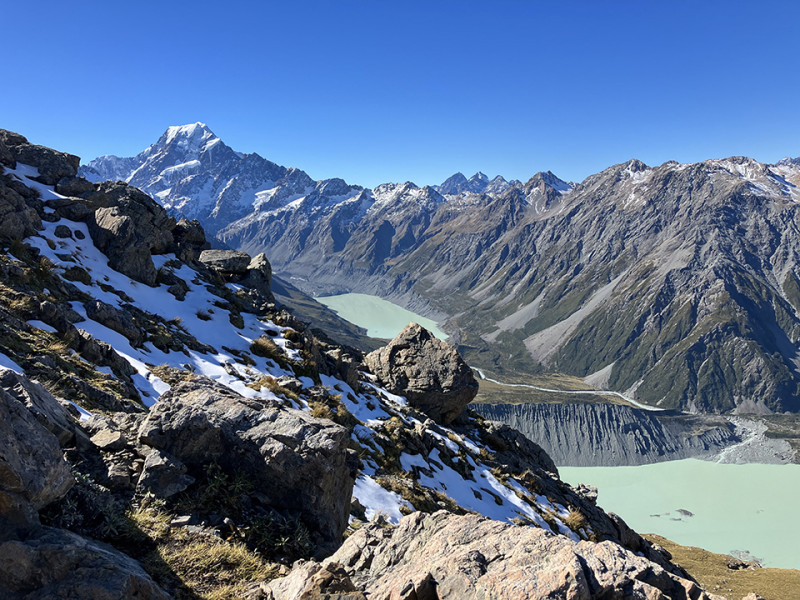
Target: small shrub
[
  {"x": 77, "y": 274},
  {"x": 203, "y": 315}
]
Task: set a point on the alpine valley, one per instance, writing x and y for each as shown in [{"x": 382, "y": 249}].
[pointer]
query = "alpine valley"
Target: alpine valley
[
  {"x": 167, "y": 430},
  {"x": 674, "y": 286}
]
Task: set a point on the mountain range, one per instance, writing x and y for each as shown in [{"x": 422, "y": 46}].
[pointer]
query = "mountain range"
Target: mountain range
[{"x": 676, "y": 285}]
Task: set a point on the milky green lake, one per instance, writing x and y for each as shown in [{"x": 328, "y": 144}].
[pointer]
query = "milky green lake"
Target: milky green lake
[
  {"x": 379, "y": 317},
  {"x": 733, "y": 507}
]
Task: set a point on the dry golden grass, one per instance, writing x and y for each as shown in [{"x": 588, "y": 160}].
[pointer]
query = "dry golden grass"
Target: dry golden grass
[
  {"x": 712, "y": 572},
  {"x": 273, "y": 386},
  {"x": 196, "y": 565}
]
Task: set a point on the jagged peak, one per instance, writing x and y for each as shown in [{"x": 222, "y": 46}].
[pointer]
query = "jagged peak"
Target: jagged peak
[{"x": 479, "y": 176}]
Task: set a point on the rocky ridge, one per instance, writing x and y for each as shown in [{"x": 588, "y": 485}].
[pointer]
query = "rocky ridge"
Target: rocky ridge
[
  {"x": 639, "y": 275},
  {"x": 200, "y": 421}
]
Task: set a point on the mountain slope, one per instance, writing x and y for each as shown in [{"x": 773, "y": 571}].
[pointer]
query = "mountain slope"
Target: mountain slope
[
  {"x": 677, "y": 285},
  {"x": 208, "y": 431}
]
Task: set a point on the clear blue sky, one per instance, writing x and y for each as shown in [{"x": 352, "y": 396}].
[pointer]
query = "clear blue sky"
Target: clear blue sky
[{"x": 377, "y": 91}]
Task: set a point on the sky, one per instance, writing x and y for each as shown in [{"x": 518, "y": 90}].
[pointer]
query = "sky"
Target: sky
[{"x": 376, "y": 91}]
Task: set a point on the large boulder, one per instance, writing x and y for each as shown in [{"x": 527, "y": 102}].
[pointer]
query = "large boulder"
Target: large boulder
[
  {"x": 297, "y": 463},
  {"x": 128, "y": 226},
  {"x": 54, "y": 563},
  {"x": 442, "y": 556},
  {"x": 226, "y": 262},
  {"x": 427, "y": 371},
  {"x": 116, "y": 319},
  {"x": 33, "y": 472},
  {"x": 40, "y": 403}
]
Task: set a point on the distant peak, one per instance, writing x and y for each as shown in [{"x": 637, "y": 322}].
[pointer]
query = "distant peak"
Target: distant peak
[
  {"x": 479, "y": 176},
  {"x": 193, "y": 131}
]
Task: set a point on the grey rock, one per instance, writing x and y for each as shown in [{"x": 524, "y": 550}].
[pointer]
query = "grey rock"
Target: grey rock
[
  {"x": 227, "y": 262},
  {"x": 17, "y": 218},
  {"x": 52, "y": 164},
  {"x": 40, "y": 403},
  {"x": 73, "y": 186},
  {"x": 62, "y": 231},
  {"x": 296, "y": 462},
  {"x": 116, "y": 319},
  {"x": 59, "y": 315},
  {"x": 469, "y": 557},
  {"x": 190, "y": 240},
  {"x": 33, "y": 472},
  {"x": 6, "y": 157},
  {"x": 109, "y": 440},
  {"x": 427, "y": 371},
  {"x": 128, "y": 226},
  {"x": 99, "y": 352},
  {"x": 164, "y": 475},
  {"x": 313, "y": 581},
  {"x": 55, "y": 564},
  {"x": 258, "y": 277}
]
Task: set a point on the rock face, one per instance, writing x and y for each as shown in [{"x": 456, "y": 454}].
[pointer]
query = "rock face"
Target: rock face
[
  {"x": 255, "y": 273},
  {"x": 33, "y": 472},
  {"x": 297, "y": 463},
  {"x": 593, "y": 434},
  {"x": 226, "y": 261},
  {"x": 128, "y": 227},
  {"x": 52, "y": 164},
  {"x": 427, "y": 371},
  {"x": 442, "y": 556},
  {"x": 54, "y": 563}
]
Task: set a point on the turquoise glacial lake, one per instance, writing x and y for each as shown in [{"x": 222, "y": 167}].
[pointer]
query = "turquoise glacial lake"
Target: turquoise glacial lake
[
  {"x": 720, "y": 507},
  {"x": 379, "y": 317}
]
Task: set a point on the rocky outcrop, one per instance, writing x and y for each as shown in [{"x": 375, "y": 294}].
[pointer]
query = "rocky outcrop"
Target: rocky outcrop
[
  {"x": 227, "y": 262},
  {"x": 18, "y": 215},
  {"x": 442, "y": 556},
  {"x": 596, "y": 434},
  {"x": 128, "y": 226},
  {"x": 427, "y": 371},
  {"x": 116, "y": 319},
  {"x": 33, "y": 472},
  {"x": 54, "y": 563},
  {"x": 40, "y": 403},
  {"x": 52, "y": 164},
  {"x": 254, "y": 274},
  {"x": 296, "y": 462}
]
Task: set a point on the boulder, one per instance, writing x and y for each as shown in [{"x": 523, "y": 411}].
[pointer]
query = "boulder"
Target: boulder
[
  {"x": 73, "y": 186},
  {"x": 297, "y": 463},
  {"x": 163, "y": 475},
  {"x": 443, "y": 556},
  {"x": 52, "y": 164},
  {"x": 190, "y": 240},
  {"x": 427, "y": 371},
  {"x": 117, "y": 236},
  {"x": 55, "y": 563},
  {"x": 258, "y": 277},
  {"x": 312, "y": 581},
  {"x": 41, "y": 404},
  {"x": 33, "y": 472},
  {"x": 17, "y": 218},
  {"x": 6, "y": 157},
  {"x": 226, "y": 262},
  {"x": 128, "y": 226},
  {"x": 115, "y": 319}
]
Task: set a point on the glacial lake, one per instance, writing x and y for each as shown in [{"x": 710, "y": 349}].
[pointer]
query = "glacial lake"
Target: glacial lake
[
  {"x": 379, "y": 317},
  {"x": 720, "y": 507}
]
